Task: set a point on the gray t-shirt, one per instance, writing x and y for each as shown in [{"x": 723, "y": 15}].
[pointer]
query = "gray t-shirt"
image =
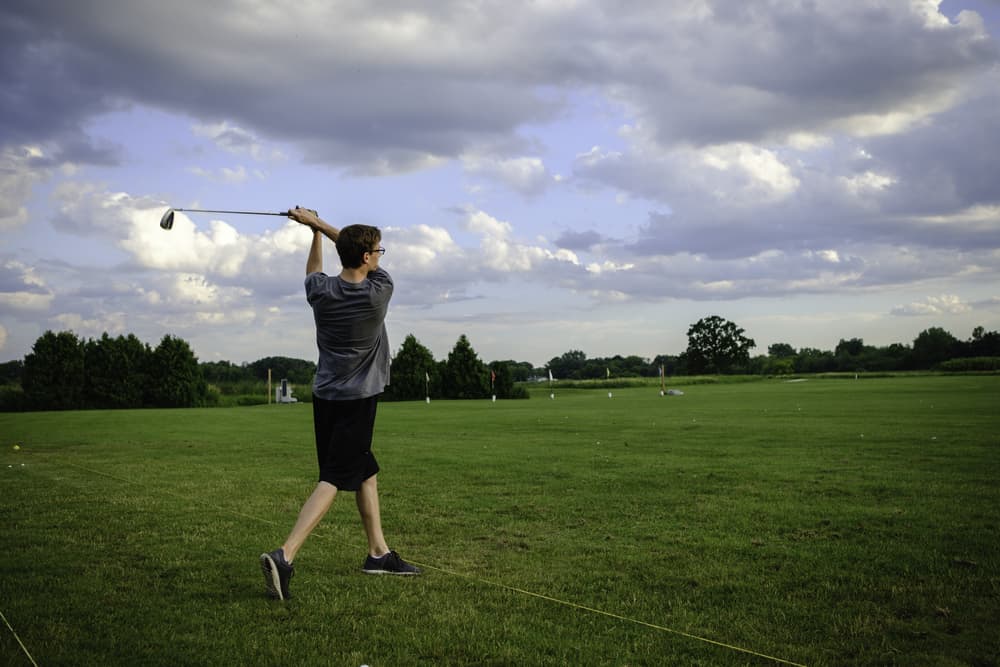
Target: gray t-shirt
[{"x": 351, "y": 335}]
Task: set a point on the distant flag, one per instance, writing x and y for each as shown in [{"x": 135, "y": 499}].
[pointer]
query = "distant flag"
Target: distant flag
[
  {"x": 608, "y": 371},
  {"x": 550, "y": 375},
  {"x": 427, "y": 377}
]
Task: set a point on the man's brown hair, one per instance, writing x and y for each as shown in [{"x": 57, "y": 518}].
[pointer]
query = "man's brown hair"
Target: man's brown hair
[{"x": 354, "y": 241}]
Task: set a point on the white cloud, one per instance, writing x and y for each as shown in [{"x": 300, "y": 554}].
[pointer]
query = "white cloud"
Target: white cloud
[
  {"x": 946, "y": 304},
  {"x": 21, "y": 288},
  {"x": 237, "y": 317},
  {"x": 18, "y": 177},
  {"x": 499, "y": 252},
  {"x": 422, "y": 249},
  {"x": 195, "y": 289},
  {"x": 485, "y": 224},
  {"x": 133, "y": 223},
  {"x": 867, "y": 182},
  {"x": 25, "y": 301},
  {"x": 224, "y": 175},
  {"x": 806, "y": 141},
  {"x": 111, "y": 323},
  {"x": 986, "y": 216},
  {"x": 899, "y": 119},
  {"x": 766, "y": 177},
  {"x": 608, "y": 267},
  {"x": 231, "y": 138},
  {"x": 830, "y": 256},
  {"x": 526, "y": 175}
]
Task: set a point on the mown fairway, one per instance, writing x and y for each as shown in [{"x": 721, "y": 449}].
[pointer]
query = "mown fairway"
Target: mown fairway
[{"x": 826, "y": 522}]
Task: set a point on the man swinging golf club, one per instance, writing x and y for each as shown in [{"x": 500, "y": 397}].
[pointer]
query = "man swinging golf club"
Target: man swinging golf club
[{"x": 349, "y": 310}]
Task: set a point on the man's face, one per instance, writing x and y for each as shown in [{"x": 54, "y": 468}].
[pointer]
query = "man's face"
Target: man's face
[{"x": 373, "y": 256}]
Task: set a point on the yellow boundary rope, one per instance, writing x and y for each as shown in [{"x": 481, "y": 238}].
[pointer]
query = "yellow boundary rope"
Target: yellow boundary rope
[
  {"x": 20, "y": 643},
  {"x": 514, "y": 589},
  {"x": 601, "y": 612}
]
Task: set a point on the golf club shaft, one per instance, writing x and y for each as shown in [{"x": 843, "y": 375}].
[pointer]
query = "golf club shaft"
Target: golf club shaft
[{"x": 206, "y": 210}]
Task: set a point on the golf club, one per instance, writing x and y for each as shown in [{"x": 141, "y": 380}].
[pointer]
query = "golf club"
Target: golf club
[{"x": 167, "y": 221}]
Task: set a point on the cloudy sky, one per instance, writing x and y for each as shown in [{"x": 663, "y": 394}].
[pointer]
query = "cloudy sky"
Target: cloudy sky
[{"x": 548, "y": 174}]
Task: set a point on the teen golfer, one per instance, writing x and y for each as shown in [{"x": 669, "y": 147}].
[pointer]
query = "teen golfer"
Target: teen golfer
[{"x": 353, "y": 370}]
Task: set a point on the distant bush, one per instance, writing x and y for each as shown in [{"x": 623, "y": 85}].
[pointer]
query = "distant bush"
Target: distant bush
[
  {"x": 971, "y": 364},
  {"x": 518, "y": 391},
  {"x": 12, "y": 399},
  {"x": 250, "y": 400}
]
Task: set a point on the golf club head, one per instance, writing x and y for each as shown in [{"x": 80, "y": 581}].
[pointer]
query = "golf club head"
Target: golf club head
[{"x": 167, "y": 221}]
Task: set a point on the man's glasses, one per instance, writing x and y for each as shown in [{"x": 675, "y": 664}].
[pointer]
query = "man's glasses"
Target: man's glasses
[{"x": 380, "y": 250}]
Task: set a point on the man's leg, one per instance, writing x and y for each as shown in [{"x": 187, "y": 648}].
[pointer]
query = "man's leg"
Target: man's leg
[
  {"x": 309, "y": 516},
  {"x": 277, "y": 565},
  {"x": 381, "y": 560},
  {"x": 371, "y": 517}
]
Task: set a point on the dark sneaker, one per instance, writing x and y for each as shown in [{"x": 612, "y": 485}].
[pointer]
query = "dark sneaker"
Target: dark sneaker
[
  {"x": 390, "y": 563},
  {"x": 277, "y": 573}
]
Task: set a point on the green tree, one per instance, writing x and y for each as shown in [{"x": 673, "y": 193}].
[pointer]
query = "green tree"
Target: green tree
[
  {"x": 225, "y": 371},
  {"x": 934, "y": 346},
  {"x": 116, "y": 371},
  {"x": 296, "y": 371},
  {"x": 520, "y": 371},
  {"x": 465, "y": 375},
  {"x": 54, "y": 372},
  {"x": 851, "y": 348},
  {"x": 812, "y": 360},
  {"x": 983, "y": 343},
  {"x": 669, "y": 363},
  {"x": 851, "y": 355},
  {"x": 11, "y": 372},
  {"x": 502, "y": 379},
  {"x": 410, "y": 370},
  {"x": 175, "y": 377},
  {"x": 569, "y": 366},
  {"x": 781, "y": 351},
  {"x": 716, "y": 345},
  {"x": 894, "y": 357},
  {"x": 771, "y": 365}
]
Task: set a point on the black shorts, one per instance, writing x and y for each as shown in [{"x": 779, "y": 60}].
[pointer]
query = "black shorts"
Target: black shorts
[{"x": 344, "y": 441}]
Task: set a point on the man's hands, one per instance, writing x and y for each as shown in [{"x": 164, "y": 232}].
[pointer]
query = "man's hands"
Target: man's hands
[
  {"x": 311, "y": 219},
  {"x": 305, "y": 216}
]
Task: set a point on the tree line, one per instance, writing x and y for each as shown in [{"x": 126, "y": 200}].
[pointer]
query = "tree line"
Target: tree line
[
  {"x": 65, "y": 372},
  {"x": 718, "y": 346},
  {"x": 416, "y": 375}
]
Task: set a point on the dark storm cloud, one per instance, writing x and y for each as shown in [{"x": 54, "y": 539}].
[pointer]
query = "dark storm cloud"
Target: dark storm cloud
[
  {"x": 381, "y": 86},
  {"x": 374, "y": 105},
  {"x": 578, "y": 240},
  {"x": 760, "y": 70},
  {"x": 949, "y": 163},
  {"x": 45, "y": 94}
]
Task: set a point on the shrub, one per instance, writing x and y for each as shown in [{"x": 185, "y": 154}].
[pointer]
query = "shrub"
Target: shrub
[{"x": 971, "y": 364}]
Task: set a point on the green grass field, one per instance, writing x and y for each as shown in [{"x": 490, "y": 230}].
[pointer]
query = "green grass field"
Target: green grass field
[{"x": 825, "y": 522}]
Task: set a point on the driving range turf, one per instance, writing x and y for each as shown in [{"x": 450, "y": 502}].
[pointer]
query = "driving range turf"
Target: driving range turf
[{"x": 823, "y": 522}]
